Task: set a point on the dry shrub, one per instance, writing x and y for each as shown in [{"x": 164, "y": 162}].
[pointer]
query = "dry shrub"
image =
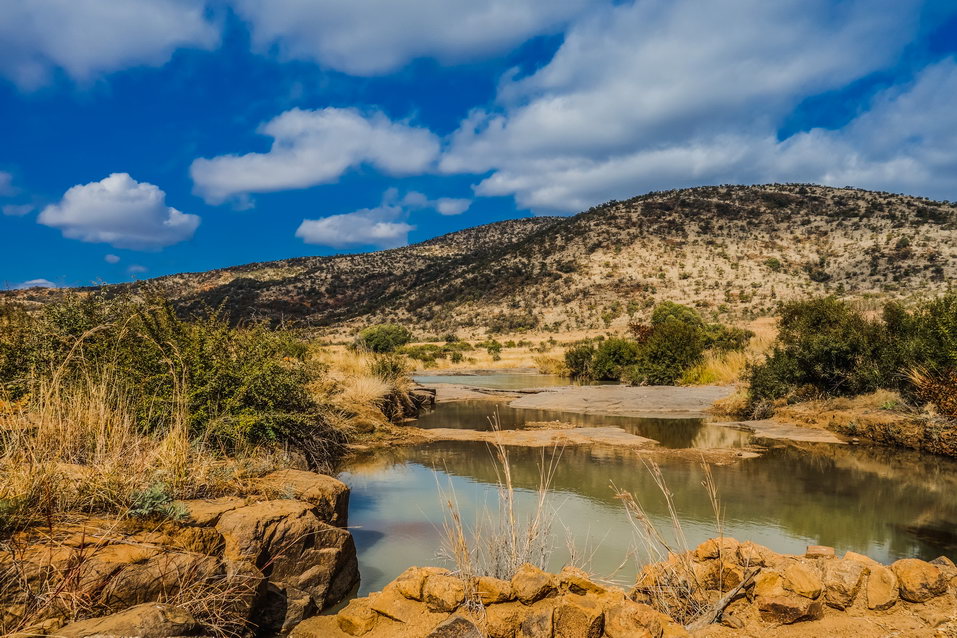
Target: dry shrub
[
  {"x": 548, "y": 364},
  {"x": 937, "y": 389}
]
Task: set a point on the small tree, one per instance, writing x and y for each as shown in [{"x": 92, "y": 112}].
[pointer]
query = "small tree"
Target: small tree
[{"x": 382, "y": 338}]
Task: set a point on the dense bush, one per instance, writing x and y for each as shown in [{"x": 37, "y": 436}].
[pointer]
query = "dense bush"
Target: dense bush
[
  {"x": 578, "y": 360},
  {"x": 230, "y": 386},
  {"x": 672, "y": 347},
  {"x": 612, "y": 357},
  {"x": 386, "y": 337},
  {"x": 827, "y": 347}
]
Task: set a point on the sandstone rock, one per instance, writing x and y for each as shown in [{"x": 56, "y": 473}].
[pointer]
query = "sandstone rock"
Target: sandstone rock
[
  {"x": 410, "y": 582},
  {"x": 357, "y": 618},
  {"x": 579, "y": 617},
  {"x": 162, "y": 575},
  {"x": 502, "y": 620},
  {"x": 531, "y": 584},
  {"x": 456, "y": 627},
  {"x": 943, "y": 561},
  {"x": 860, "y": 558},
  {"x": 576, "y": 581},
  {"x": 754, "y": 555},
  {"x": 391, "y": 604},
  {"x": 308, "y": 563},
  {"x": 803, "y": 580},
  {"x": 537, "y": 622},
  {"x": 671, "y": 629},
  {"x": 150, "y": 620},
  {"x": 628, "y": 619},
  {"x": 206, "y": 512},
  {"x": 881, "y": 588},
  {"x": 819, "y": 551},
  {"x": 842, "y": 582},
  {"x": 493, "y": 590},
  {"x": 717, "y": 547},
  {"x": 443, "y": 593},
  {"x": 919, "y": 581},
  {"x": 789, "y": 609},
  {"x": 329, "y": 496},
  {"x": 720, "y": 575},
  {"x": 769, "y": 584}
]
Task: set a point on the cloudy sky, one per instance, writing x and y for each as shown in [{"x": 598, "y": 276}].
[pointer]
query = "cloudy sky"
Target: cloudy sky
[{"x": 145, "y": 137}]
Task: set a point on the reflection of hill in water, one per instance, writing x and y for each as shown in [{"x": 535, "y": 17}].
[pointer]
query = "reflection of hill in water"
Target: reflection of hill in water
[{"x": 844, "y": 496}]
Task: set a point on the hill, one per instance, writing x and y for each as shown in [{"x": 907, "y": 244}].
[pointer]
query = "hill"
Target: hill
[{"x": 729, "y": 250}]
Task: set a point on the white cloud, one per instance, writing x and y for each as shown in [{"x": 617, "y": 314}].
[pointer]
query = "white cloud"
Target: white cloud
[
  {"x": 381, "y": 227},
  {"x": 452, "y": 206},
  {"x": 6, "y": 185},
  {"x": 316, "y": 147},
  {"x": 111, "y": 259},
  {"x": 660, "y": 94},
  {"x": 121, "y": 212},
  {"x": 86, "y": 38},
  {"x": 35, "y": 283},
  {"x": 136, "y": 269},
  {"x": 17, "y": 210},
  {"x": 369, "y": 37}
]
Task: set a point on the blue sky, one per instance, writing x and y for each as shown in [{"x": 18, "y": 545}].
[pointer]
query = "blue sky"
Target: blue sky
[{"x": 148, "y": 137}]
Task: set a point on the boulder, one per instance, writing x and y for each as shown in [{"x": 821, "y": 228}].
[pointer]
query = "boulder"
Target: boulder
[
  {"x": 456, "y": 627},
  {"x": 576, "y": 581},
  {"x": 753, "y": 555},
  {"x": 309, "y": 565},
  {"x": 158, "y": 577},
  {"x": 329, "y": 496},
  {"x": 785, "y": 610},
  {"x": 443, "y": 593},
  {"x": 150, "y": 620},
  {"x": 881, "y": 588},
  {"x": 803, "y": 579},
  {"x": 842, "y": 582},
  {"x": 410, "y": 582},
  {"x": 860, "y": 558},
  {"x": 712, "y": 548},
  {"x": 769, "y": 584},
  {"x": 357, "y": 618},
  {"x": 502, "y": 620},
  {"x": 493, "y": 590},
  {"x": 819, "y": 551},
  {"x": 538, "y": 621},
  {"x": 629, "y": 619},
  {"x": 206, "y": 512},
  {"x": 919, "y": 581},
  {"x": 719, "y": 575},
  {"x": 579, "y": 617},
  {"x": 531, "y": 584}
]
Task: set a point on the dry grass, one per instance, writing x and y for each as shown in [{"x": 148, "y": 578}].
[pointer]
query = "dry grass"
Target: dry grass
[
  {"x": 727, "y": 368},
  {"x": 549, "y": 364}
]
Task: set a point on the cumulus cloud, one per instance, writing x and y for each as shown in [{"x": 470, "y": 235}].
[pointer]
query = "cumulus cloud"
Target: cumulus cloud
[
  {"x": 6, "y": 184},
  {"x": 369, "y": 37},
  {"x": 17, "y": 210},
  {"x": 417, "y": 200},
  {"x": 316, "y": 147},
  {"x": 35, "y": 283},
  {"x": 121, "y": 212},
  {"x": 86, "y": 38},
  {"x": 659, "y": 94},
  {"x": 452, "y": 206},
  {"x": 381, "y": 227}
]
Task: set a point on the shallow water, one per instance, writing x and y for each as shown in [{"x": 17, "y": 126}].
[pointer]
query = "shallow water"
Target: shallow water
[
  {"x": 671, "y": 433},
  {"x": 496, "y": 381},
  {"x": 874, "y": 501}
]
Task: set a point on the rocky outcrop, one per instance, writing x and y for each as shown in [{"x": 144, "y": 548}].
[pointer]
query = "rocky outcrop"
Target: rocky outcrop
[
  {"x": 264, "y": 563},
  {"x": 745, "y": 588}
]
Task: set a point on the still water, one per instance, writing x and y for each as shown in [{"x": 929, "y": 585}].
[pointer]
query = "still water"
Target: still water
[
  {"x": 880, "y": 502},
  {"x": 496, "y": 381}
]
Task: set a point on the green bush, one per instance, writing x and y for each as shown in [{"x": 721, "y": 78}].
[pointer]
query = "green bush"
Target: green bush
[
  {"x": 612, "y": 357},
  {"x": 578, "y": 359},
  {"x": 386, "y": 337},
  {"x": 672, "y": 348}
]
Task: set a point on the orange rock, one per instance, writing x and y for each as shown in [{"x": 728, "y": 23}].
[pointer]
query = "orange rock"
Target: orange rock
[
  {"x": 919, "y": 581},
  {"x": 531, "y": 584},
  {"x": 881, "y": 588},
  {"x": 803, "y": 580},
  {"x": 579, "y": 617}
]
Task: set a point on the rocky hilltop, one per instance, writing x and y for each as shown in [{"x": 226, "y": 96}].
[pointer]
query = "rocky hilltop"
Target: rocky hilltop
[{"x": 731, "y": 250}]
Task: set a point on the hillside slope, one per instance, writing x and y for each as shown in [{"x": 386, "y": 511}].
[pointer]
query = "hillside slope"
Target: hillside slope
[{"x": 730, "y": 250}]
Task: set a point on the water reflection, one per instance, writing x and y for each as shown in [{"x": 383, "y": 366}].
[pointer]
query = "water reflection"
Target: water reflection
[
  {"x": 884, "y": 503},
  {"x": 671, "y": 433},
  {"x": 501, "y": 381}
]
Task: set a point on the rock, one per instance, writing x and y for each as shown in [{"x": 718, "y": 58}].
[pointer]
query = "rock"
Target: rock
[
  {"x": 671, "y": 629},
  {"x": 150, "y": 620},
  {"x": 206, "y": 512},
  {"x": 493, "y": 590},
  {"x": 309, "y": 564},
  {"x": 537, "y": 622},
  {"x": 579, "y": 617},
  {"x": 860, "y": 558},
  {"x": 160, "y": 576},
  {"x": 391, "y": 604},
  {"x": 754, "y": 555},
  {"x": 456, "y": 627},
  {"x": 719, "y": 575},
  {"x": 919, "y": 581},
  {"x": 629, "y": 619},
  {"x": 717, "y": 547},
  {"x": 576, "y": 581},
  {"x": 785, "y": 610},
  {"x": 357, "y": 618},
  {"x": 943, "y": 561},
  {"x": 881, "y": 588},
  {"x": 410, "y": 582},
  {"x": 769, "y": 584},
  {"x": 819, "y": 551},
  {"x": 502, "y": 620},
  {"x": 842, "y": 582},
  {"x": 531, "y": 584},
  {"x": 803, "y": 580},
  {"x": 329, "y": 496},
  {"x": 443, "y": 593},
  {"x": 732, "y": 621}
]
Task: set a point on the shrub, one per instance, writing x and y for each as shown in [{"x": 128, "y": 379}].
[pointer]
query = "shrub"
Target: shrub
[
  {"x": 672, "y": 348},
  {"x": 612, "y": 357},
  {"x": 386, "y": 337},
  {"x": 578, "y": 360},
  {"x": 388, "y": 367}
]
